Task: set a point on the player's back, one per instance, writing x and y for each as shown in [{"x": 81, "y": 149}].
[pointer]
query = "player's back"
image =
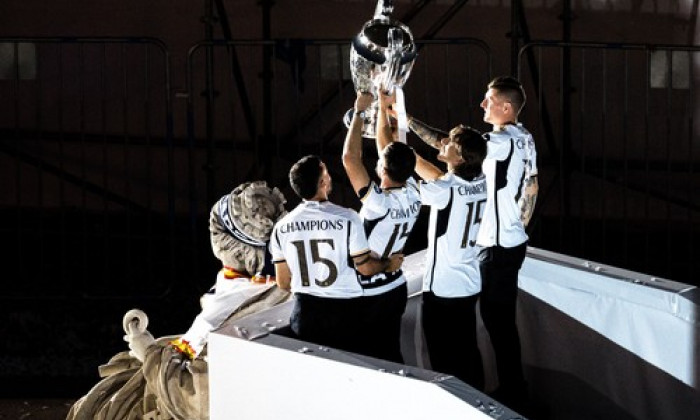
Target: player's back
[
  {"x": 455, "y": 216},
  {"x": 318, "y": 241},
  {"x": 511, "y": 157},
  {"x": 389, "y": 216}
]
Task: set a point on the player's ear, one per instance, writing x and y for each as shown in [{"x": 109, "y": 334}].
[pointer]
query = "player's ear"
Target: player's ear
[{"x": 507, "y": 107}]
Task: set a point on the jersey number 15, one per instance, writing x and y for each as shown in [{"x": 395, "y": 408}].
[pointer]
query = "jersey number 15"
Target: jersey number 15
[
  {"x": 473, "y": 218},
  {"x": 315, "y": 258}
]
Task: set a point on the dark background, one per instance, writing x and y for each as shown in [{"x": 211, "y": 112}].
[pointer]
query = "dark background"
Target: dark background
[{"x": 122, "y": 123}]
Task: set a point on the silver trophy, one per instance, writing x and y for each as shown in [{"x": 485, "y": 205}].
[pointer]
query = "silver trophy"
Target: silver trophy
[{"x": 381, "y": 57}]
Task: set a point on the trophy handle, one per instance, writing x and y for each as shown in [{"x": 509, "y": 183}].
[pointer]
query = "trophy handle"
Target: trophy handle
[{"x": 393, "y": 60}]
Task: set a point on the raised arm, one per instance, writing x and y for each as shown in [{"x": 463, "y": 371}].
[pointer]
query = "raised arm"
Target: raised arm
[
  {"x": 426, "y": 170},
  {"x": 430, "y": 135},
  {"x": 352, "y": 148},
  {"x": 384, "y": 134}
]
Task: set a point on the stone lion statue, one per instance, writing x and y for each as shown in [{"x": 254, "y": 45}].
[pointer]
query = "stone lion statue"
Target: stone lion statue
[{"x": 167, "y": 378}]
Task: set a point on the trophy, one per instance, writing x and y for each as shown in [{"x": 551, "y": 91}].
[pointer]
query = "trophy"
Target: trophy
[{"x": 381, "y": 57}]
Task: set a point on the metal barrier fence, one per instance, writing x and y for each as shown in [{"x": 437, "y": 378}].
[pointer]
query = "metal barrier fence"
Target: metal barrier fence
[
  {"x": 87, "y": 160},
  {"x": 272, "y": 102},
  {"x": 97, "y": 180},
  {"x": 110, "y": 195},
  {"x": 616, "y": 131},
  {"x": 255, "y": 107},
  {"x": 108, "y": 180}
]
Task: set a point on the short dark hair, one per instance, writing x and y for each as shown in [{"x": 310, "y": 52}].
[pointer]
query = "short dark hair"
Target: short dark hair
[
  {"x": 399, "y": 161},
  {"x": 472, "y": 148},
  {"x": 304, "y": 176},
  {"x": 511, "y": 88}
]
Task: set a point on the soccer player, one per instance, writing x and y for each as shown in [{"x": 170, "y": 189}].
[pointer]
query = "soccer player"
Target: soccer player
[
  {"x": 451, "y": 282},
  {"x": 389, "y": 211},
  {"x": 511, "y": 179},
  {"x": 316, "y": 249}
]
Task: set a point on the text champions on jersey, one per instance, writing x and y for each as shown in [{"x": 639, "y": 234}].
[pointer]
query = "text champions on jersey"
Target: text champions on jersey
[
  {"x": 312, "y": 225},
  {"x": 478, "y": 188},
  {"x": 405, "y": 213}
]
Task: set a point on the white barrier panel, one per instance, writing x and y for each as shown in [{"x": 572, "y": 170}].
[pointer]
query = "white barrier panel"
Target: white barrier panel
[
  {"x": 657, "y": 324},
  {"x": 603, "y": 342},
  {"x": 597, "y": 342},
  {"x": 249, "y": 380}
]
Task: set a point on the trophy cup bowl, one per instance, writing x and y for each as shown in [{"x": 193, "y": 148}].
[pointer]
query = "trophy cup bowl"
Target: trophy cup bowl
[{"x": 381, "y": 57}]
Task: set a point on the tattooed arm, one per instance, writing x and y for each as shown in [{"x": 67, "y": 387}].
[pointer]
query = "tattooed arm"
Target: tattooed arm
[
  {"x": 428, "y": 134},
  {"x": 528, "y": 199}
]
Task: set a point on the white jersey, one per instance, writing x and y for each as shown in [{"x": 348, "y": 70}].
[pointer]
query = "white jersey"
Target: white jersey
[
  {"x": 388, "y": 216},
  {"x": 456, "y": 206},
  {"x": 510, "y": 159},
  {"x": 318, "y": 240}
]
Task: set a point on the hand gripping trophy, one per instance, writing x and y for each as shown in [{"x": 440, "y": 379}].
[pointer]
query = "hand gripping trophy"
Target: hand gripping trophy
[{"x": 381, "y": 57}]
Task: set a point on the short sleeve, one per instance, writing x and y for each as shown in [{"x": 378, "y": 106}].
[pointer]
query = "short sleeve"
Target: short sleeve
[
  {"x": 373, "y": 202},
  {"x": 275, "y": 247},
  {"x": 532, "y": 157},
  {"x": 498, "y": 145},
  {"x": 412, "y": 184},
  {"x": 357, "y": 241},
  {"x": 434, "y": 193}
]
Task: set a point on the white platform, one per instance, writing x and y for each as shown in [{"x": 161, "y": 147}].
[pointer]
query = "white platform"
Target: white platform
[{"x": 598, "y": 342}]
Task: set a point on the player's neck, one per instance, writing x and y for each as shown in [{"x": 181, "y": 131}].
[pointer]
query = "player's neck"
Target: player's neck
[
  {"x": 319, "y": 197},
  {"x": 502, "y": 125},
  {"x": 389, "y": 183}
]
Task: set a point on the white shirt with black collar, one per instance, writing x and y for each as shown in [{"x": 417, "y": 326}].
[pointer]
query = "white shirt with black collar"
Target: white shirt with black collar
[
  {"x": 389, "y": 215},
  {"x": 456, "y": 206},
  {"x": 510, "y": 159},
  {"x": 318, "y": 241}
]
